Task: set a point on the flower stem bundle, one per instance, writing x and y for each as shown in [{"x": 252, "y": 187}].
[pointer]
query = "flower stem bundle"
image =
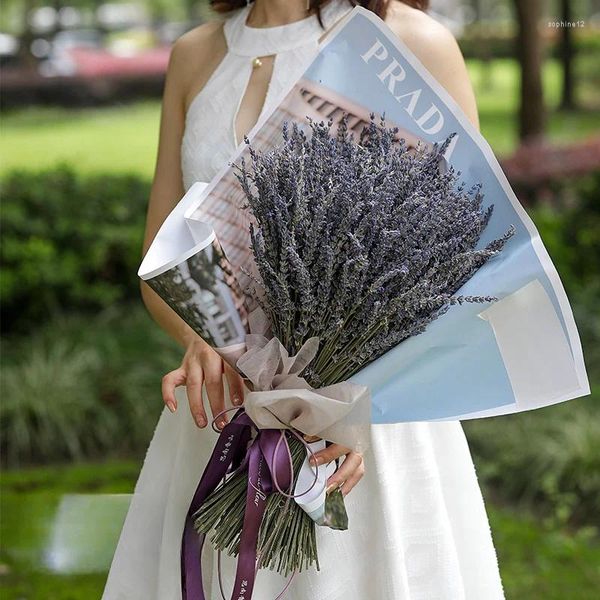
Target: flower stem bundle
[{"x": 284, "y": 526}]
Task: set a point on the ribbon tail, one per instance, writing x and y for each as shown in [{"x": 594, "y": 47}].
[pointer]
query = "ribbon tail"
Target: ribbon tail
[
  {"x": 259, "y": 487},
  {"x": 226, "y": 448},
  {"x": 191, "y": 564}
]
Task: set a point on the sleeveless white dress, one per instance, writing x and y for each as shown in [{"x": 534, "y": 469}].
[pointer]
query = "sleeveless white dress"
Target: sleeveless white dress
[{"x": 418, "y": 526}]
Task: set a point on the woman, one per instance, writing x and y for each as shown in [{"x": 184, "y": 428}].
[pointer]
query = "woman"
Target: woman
[{"x": 418, "y": 527}]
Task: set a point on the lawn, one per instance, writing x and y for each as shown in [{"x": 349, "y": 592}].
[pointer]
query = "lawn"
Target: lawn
[
  {"x": 116, "y": 139},
  {"x": 535, "y": 561},
  {"x": 123, "y": 138}
]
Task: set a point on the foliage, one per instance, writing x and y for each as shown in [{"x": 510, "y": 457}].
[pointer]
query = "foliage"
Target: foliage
[
  {"x": 84, "y": 387},
  {"x": 548, "y": 460},
  {"x": 572, "y": 235},
  {"x": 43, "y": 413},
  {"x": 544, "y": 561},
  {"x": 69, "y": 242}
]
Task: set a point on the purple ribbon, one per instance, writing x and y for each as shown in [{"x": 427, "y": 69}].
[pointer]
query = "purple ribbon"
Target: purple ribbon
[{"x": 264, "y": 463}]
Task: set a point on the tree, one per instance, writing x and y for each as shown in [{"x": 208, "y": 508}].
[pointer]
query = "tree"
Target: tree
[
  {"x": 26, "y": 35},
  {"x": 567, "y": 101},
  {"x": 532, "y": 115}
]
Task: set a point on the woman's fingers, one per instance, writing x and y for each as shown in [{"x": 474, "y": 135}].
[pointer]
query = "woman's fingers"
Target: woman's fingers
[
  {"x": 348, "y": 474},
  {"x": 235, "y": 384},
  {"x": 328, "y": 454},
  {"x": 354, "y": 478},
  {"x": 350, "y": 471},
  {"x": 213, "y": 380},
  {"x": 169, "y": 382},
  {"x": 194, "y": 380}
]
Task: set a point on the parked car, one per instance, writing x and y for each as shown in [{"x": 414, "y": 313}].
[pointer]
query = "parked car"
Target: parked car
[{"x": 79, "y": 67}]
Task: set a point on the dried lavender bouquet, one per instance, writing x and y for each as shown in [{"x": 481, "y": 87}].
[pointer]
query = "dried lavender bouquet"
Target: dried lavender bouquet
[{"x": 363, "y": 244}]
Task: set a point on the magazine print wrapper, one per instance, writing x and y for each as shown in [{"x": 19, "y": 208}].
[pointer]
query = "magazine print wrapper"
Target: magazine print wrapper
[
  {"x": 519, "y": 353},
  {"x": 187, "y": 267}
]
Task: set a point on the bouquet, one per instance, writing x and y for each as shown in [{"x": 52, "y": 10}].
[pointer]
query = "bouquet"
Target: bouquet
[
  {"x": 359, "y": 245},
  {"x": 355, "y": 271}
]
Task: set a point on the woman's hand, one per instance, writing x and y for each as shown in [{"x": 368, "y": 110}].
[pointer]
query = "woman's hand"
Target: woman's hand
[
  {"x": 202, "y": 366},
  {"x": 349, "y": 473}
]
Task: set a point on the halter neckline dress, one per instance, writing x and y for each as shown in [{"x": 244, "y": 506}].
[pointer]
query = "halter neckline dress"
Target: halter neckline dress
[{"x": 418, "y": 525}]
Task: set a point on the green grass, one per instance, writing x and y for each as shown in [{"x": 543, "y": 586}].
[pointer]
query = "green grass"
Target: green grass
[
  {"x": 28, "y": 504},
  {"x": 536, "y": 560},
  {"x": 539, "y": 562},
  {"x": 71, "y": 397},
  {"x": 116, "y": 139},
  {"x": 124, "y": 137}
]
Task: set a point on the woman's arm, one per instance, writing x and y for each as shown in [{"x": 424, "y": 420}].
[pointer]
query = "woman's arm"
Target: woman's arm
[
  {"x": 201, "y": 365},
  {"x": 167, "y": 190}
]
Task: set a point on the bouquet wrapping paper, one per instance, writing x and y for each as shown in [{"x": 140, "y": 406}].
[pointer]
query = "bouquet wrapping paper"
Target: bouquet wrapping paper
[{"x": 521, "y": 352}]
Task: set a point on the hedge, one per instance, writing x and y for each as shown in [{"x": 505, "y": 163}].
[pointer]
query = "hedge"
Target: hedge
[
  {"x": 68, "y": 242},
  {"x": 72, "y": 243}
]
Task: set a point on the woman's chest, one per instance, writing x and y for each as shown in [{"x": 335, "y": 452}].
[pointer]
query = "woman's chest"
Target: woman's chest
[{"x": 235, "y": 97}]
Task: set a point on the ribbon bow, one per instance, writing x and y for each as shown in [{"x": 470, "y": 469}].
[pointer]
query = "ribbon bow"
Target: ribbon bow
[{"x": 339, "y": 413}]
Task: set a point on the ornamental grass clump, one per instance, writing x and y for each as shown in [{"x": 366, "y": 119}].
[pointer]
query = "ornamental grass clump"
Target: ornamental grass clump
[{"x": 361, "y": 243}]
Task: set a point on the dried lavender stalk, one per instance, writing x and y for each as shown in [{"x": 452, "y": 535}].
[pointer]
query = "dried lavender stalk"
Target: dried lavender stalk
[{"x": 361, "y": 244}]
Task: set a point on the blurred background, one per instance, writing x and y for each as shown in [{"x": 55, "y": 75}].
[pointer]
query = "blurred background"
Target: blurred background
[{"x": 82, "y": 360}]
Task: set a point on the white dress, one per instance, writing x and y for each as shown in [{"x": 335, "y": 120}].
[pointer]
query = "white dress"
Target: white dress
[{"x": 418, "y": 526}]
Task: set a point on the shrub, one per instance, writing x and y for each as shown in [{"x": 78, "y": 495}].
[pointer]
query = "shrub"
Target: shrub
[
  {"x": 572, "y": 235},
  {"x": 548, "y": 459},
  {"x": 68, "y": 242},
  {"x": 84, "y": 387}
]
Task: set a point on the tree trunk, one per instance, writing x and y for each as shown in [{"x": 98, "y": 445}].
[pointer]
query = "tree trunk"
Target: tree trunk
[
  {"x": 529, "y": 53},
  {"x": 26, "y": 58},
  {"x": 567, "y": 101},
  {"x": 476, "y": 4}
]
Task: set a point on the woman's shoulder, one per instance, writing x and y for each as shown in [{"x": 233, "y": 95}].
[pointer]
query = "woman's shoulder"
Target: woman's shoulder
[
  {"x": 199, "y": 40},
  {"x": 436, "y": 47},
  {"x": 425, "y": 37},
  {"x": 195, "y": 55}
]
